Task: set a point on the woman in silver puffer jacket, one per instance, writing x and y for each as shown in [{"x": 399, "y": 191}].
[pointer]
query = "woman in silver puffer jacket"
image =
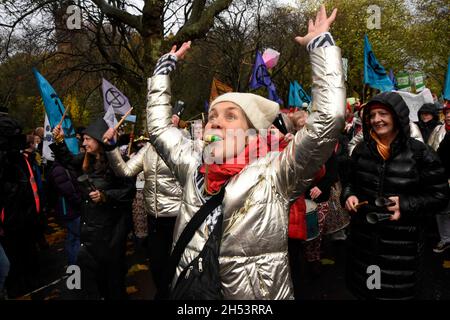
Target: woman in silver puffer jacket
[{"x": 253, "y": 253}]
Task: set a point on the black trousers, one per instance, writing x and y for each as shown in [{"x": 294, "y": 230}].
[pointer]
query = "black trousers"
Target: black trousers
[
  {"x": 295, "y": 263},
  {"x": 160, "y": 237}
]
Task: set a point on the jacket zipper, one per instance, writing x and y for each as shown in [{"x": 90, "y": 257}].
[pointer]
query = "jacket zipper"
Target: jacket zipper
[
  {"x": 383, "y": 169},
  {"x": 188, "y": 272},
  {"x": 155, "y": 188}
]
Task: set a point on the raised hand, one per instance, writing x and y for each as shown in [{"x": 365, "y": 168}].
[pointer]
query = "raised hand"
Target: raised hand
[
  {"x": 181, "y": 52},
  {"x": 110, "y": 135},
  {"x": 58, "y": 133},
  {"x": 320, "y": 25}
]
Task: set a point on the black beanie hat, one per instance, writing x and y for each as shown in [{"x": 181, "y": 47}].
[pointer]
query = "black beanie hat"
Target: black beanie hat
[{"x": 97, "y": 129}]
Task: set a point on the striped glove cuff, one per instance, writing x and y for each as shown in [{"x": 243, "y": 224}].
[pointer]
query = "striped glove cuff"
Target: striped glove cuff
[
  {"x": 166, "y": 64},
  {"x": 322, "y": 40}
]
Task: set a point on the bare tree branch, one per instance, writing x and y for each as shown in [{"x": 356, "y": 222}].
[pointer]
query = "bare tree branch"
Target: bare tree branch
[
  {"x": 200, "y": 27},
  {"x": 121, "y": 15}
]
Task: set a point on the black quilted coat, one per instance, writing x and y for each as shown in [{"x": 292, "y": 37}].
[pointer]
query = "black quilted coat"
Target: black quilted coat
[
  {"x": 104, "y": 225},
  {"x": 414, "y": 173}
]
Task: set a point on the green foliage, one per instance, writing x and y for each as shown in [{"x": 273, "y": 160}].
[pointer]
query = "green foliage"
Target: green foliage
[{"x": 413, "y": 37}]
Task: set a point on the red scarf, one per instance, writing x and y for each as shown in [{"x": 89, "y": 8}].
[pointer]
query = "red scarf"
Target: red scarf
[{"x": 216, "y": 175}]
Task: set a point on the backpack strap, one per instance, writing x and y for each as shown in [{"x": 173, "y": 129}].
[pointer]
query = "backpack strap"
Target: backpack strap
[{"x": 189, "y": 231}]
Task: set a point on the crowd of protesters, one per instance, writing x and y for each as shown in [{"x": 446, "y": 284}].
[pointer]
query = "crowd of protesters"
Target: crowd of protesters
[{"x": 365, "y": 174}]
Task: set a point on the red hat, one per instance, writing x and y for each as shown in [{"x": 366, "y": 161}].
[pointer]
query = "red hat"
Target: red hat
[
  {"x": 446, "y": 108},
  {"x": 349, "y": 107}
]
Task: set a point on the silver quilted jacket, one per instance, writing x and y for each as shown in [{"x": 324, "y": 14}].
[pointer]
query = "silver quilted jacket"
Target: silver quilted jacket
[
  {"x": 436, "y": 136},
  {"x": 162, "y": 192},
  {"x": 253, "y": 257}
]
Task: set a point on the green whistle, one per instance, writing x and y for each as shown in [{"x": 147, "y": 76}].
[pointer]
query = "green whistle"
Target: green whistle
[{"x": 212, "y": 138}]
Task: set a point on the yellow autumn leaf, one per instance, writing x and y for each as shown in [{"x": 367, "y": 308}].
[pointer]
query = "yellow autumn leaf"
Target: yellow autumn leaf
[
  {"x": 55, "y": 237},
  {"x": 136, "y": 268},
  {"x": 53, "y": 295},
  {"x": 131, "y": 290},
  {"x": 326, "y": 261}
]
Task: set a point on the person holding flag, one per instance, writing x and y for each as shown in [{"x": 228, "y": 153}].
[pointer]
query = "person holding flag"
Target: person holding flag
[{"x": 105, "y": 214}]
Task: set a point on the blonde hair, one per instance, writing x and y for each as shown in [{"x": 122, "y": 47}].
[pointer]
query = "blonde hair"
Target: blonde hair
[
  {"x": 288, "y": 123},
  {"x": 296, "y": 116}
]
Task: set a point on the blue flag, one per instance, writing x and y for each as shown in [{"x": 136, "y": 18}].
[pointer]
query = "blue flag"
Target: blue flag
[
  {"x": 131, "y": 118},
  {"x": 294, "y": 98},
  {"x": 447, "y": 82},
  {"x": 393, "y": 79},
  {"x": 374, "y": 73},
  {"x": 55, "y": 110},
  {"x": 260, "y": 78},
  {"x": 303, "y": 96}
]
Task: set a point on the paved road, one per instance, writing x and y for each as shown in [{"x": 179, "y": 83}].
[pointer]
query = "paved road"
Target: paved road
[{"x": 329, "y": 285}]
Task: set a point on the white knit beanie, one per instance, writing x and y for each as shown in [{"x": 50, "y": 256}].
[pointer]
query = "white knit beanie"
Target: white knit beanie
[{"x": 260, "y": 111}]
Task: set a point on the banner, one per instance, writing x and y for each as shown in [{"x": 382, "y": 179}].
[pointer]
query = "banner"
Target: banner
[
  {"x": 218, "y": 88},
  {"x": 374, "y": 73},
  {"x": 415, "y": 101},
  {"x": 403, "y": 82},
  {"x": 345, "y": 67},
  {"x": 47, "y": 153},
  {"x": 418, "y": 81},
  {"x": 112, "y": 97},
  {"x": 55, "y": 110}
]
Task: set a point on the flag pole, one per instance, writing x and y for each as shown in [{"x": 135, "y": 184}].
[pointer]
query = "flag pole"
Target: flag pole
[
  {"x": 364, "y": 94},
  {"x": 120, "y": 122},
  {"x": 131, "y": 140},
  {"x": 64, "y": 115},
  {"x": 123, "y": 119}
]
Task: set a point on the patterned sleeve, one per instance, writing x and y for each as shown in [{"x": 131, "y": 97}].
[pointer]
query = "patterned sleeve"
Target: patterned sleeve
[
  {"x": 166, "y": 64},
  {"x": 324, "y": 40}
]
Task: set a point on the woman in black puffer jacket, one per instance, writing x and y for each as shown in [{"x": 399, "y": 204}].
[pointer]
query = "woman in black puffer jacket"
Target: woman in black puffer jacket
[
  {"x": 105, "y": 215},
  {"x": 389, "y": 163}
]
